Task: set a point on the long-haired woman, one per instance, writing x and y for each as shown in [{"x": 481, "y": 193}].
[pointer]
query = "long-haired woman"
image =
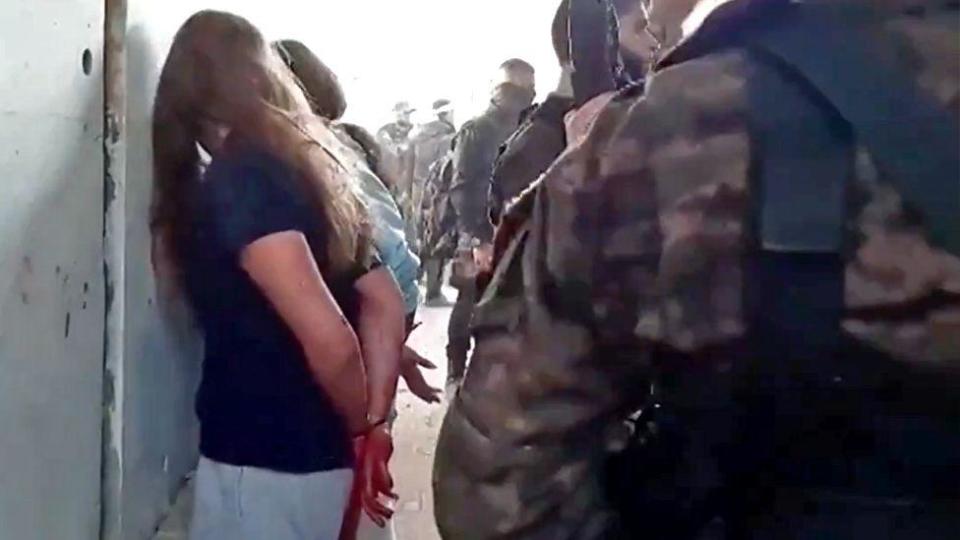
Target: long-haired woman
[{"x": 271, "y": 248}]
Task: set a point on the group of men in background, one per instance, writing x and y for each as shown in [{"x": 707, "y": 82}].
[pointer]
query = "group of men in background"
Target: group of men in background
[
  {"x": 725, "y": 303},
  {"x": 441, "y": 178}
]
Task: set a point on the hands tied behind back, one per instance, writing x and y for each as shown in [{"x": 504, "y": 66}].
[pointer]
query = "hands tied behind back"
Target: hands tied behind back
[{"x": 372, "y": 482}]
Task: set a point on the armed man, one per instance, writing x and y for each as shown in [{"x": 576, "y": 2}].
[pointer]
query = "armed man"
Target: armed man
[
  {"x": 398, "y": 160},
  {"x": 745, "y": 280},
  {"x": 432, "y": 140},
  {"x": 431, "y": 144},
  {"x": 475, "y": 150}
]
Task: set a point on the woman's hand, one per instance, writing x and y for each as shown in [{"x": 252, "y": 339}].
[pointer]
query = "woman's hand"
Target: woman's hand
[
  {"x": 375, "y": 480},
  {"x": 410, "y": 369},
  {"x": 371, "y": 480}
]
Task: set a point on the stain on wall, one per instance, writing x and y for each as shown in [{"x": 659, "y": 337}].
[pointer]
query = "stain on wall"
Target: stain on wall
[{"x": 50, "y": 246}]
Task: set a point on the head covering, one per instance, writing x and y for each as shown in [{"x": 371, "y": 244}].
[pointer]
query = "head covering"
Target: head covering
[
  {"x": 403, "y": 107},
  {"x": 441, "y": 106}
]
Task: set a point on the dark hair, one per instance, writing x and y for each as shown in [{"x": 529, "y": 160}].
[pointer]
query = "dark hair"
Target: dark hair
[
  {"x": 516, "y": 64},
  {"x": 560, "y": 32},
  {"x": 318, "y": 81},
  {"x": 372, "y": 153}
]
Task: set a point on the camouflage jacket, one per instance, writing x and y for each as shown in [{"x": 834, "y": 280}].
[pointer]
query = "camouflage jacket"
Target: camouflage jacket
[
  {"x": 633, "y": 241},
  {"x": 398, "y": 161},
  {"x": 439, "y": 227},
  {"x": 431, "y": 142}
]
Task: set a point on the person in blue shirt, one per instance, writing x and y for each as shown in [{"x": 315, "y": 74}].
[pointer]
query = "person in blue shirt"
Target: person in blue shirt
[{"x": 328, "y": 101}]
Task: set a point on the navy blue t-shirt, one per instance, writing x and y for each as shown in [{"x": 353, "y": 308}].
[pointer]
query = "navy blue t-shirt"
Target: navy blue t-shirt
[{"x": 258, "y": 404}]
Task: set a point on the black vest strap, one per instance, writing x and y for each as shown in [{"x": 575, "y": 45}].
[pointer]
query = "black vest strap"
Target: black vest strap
[
  {"x": 912, "y": 138},
  {"x": 910, "y": 135}
]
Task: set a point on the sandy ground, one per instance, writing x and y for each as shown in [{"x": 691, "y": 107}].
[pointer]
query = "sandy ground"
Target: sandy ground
[{"x": 415, "y": 436}]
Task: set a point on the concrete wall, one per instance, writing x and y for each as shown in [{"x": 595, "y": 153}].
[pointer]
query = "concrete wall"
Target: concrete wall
[
  {"x": 52, "y": 287},
  {"x": 161, "y": 352},
  {"x": 51, "y": 275}
]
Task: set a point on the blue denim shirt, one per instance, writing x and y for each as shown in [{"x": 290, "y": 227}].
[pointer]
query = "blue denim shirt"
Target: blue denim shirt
[
  {"x": 389, "y": 227},
  {"x": 390, "y": 237}
]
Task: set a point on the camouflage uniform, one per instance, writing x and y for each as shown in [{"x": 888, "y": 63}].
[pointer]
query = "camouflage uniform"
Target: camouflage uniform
[
  {"x": 432, "y": 146},
  {"x": 440, "y": 220},
  {"x": 627, "y": 260},
  {"x": 398, "y": 164}
]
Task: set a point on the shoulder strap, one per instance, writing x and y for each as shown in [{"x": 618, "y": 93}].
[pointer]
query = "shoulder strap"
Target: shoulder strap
[{"x": 911, "y": 137}]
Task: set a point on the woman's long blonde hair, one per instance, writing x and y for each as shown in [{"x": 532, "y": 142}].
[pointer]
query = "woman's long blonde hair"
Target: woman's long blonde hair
[{"x": 220, "y": 70}]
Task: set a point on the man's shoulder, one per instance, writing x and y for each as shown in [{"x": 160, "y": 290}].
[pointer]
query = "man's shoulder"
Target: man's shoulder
[
  {"x": 474, "y": 123},
  {"x": 386, "y": 131},
  {"x": 685, "y": 101},
  {"x": 554, "y": 107},
  {"x": 487, "y": 124},
  {"x": 393, "y": 130},
  {"x": 434, "y": 130},
  {"x": 473, "y": 127}
]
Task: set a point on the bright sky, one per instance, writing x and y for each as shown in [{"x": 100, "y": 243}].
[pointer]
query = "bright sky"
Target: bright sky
[{"x": 414, "y": 50}]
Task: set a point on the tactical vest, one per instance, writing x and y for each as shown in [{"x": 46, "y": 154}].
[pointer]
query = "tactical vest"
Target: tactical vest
[
  {"x": 439, "y": 223},
  {"x": 828, "y": 438},
  {"x": 819, "y": 436}
]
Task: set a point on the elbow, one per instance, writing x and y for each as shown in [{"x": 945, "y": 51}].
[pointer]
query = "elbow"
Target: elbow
[
  {"x": 382, "y": 300},
  {"x": 344, "y": 356}
]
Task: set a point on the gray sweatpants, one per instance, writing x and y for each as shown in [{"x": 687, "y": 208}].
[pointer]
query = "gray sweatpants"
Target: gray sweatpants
[
  {"x": 370, "y": 531},
  {"x": 245, "y": 503}
]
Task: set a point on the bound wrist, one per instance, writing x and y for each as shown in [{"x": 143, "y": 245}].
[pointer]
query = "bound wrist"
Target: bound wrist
[{"x": 370, "y": 423}]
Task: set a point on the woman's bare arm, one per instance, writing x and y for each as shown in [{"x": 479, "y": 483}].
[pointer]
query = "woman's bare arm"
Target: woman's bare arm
[
  {"x": 382, "y": 332},
  {"x": 283, "y": 267}
]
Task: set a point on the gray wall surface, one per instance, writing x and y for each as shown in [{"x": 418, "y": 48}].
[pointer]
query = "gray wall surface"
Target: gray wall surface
[
  {"x": 52, "y": 286},
  {"x": 162, "y": 353},
  {"x": 51, "y": 274}
]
